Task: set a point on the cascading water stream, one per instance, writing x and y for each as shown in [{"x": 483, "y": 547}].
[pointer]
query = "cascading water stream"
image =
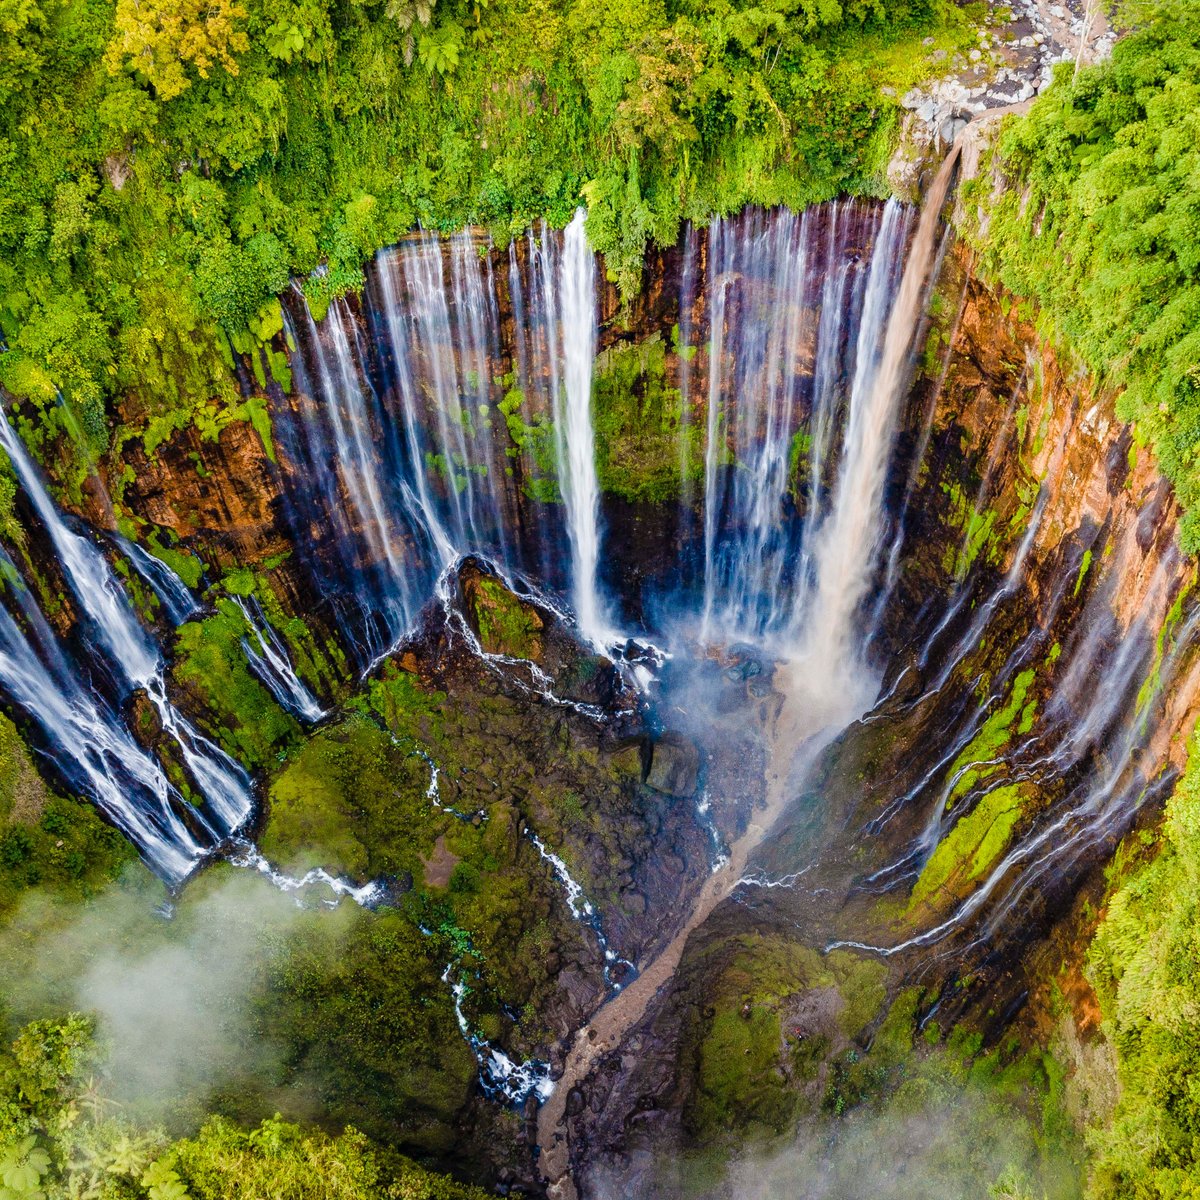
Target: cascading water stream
[
  {"x": 849, "y": 540},
  {"x": 114, "y": 629},
  {"x": 573, "y": 427},
  {"x": 269, "y": 661},
  {"x": 86, "y": 740},
  {"x": 398, "y": 451},
  {"x": 176, "y": 598},
  {"x": 768, "y": 277}
]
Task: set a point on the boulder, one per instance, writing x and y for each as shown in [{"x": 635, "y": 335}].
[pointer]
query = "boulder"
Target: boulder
[
  {"x": 674, "y": 765},
  {"x": 504, "y": 623}
]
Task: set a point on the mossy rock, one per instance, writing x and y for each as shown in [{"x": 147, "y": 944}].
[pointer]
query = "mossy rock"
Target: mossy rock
[
  {"x": 644, "y": 446},
  {"x": 674, "y": 766},
  {"x": 236, "y": 709},
  {"x": 505, "y": 623},
  {"x": 775, "y": 1012},
  {"x": 973, "y": 846}
]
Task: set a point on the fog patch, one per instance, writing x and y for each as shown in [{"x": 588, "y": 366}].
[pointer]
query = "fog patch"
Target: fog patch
[
  {"x": 962, "y": 1145},
  {"x": 932, "y": 1139},
  {"x": 176, "y": 990}
]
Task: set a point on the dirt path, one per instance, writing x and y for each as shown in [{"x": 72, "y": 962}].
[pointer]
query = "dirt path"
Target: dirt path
[
  {"x": 803, "y": 724},
  {"x": 808, "y": 717}
]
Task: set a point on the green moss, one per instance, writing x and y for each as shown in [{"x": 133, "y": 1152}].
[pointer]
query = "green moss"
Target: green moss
[
  {"x": 185, "y": 564},
  {"x": 313, "y": 804},
  {"x": 256, "y": 411},
  {"x": 861, "y": 980},
  {"x": 237, "y": 709},
  {"x": 739, "y": 1069},
  {"x": 893, "y": 1040},
  {"x": 747, "y": 1064},
  {"x": 532, "y": 444},
  {"x": 1152, "y": 684},
  {"x": 404, "y": 706},
  {"x": 799, "y": 450},
  {"x": 977, "y": 529},
  {"x": 973, "y": 845},
  {"x": 639, "y": 424},
  {"x": 741, "y": 1080},
  {"x": 506, "y": 625},
  {"x": 322, "y": 665},
  {"x": 977, "y": 759},
  {"x": 144, "y": 598},
  {"x": 1084, "y": 564}
]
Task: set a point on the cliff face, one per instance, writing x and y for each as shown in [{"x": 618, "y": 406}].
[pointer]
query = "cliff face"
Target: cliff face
[
  {"x": 1030, "y": 551},
  {"x": 1030, "y": 623},
  {"x": 220, "y": 496}
]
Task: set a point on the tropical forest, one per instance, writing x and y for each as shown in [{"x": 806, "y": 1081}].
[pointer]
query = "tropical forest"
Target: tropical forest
[{"x": 599, "y": 599}]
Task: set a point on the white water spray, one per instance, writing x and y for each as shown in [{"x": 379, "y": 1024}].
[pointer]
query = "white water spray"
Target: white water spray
[
  {"x": 129, "y": 650},
  {"x": 573, "y": 427}
]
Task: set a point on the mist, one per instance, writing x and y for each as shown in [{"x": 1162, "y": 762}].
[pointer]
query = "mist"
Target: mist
[
  {"x": 937, "y": 1136},
  {"x": 176, "y": 990}
]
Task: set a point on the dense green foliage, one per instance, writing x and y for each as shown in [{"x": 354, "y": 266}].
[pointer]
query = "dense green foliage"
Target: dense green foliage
[
  {"x": 1143, "y": 964},
  {"x": 165, "y": 168},
  {"x": 1099, "y": 222},
  {"x": 61, "y": 1136},
  {"x": 47, "y": 839}
]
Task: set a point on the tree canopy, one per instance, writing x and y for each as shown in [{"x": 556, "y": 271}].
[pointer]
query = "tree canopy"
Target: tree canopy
[
  {"x": 1099, "y": 222},
  {"x": 167, "y": 167}
]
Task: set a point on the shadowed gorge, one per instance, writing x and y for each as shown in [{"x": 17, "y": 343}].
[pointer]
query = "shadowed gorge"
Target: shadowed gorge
[{"x": 671, "y": 679}]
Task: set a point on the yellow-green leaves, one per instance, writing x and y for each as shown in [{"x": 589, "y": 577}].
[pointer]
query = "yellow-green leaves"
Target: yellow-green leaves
[{"x": 159, "y": 39}]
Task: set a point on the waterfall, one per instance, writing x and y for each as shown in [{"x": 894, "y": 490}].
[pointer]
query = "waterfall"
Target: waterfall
[
  {"x": 351, "y": 412},
  {"x": 174, "y": 594},
  {"x": 399, "y": 453},
  {"x": 849, "y": 540},
  {"x": 786, "y": 295},
  {"x": 686, "y": 328},
  {"x": 400, "y": 460},
  {"x": 828, "y": 673},
  {"x": 269, "y": 661},
  {"x": 85, "y": 739},
  {"x": 115, "y": 635},
  {"x": 839, "y": 269},
  {"x": 573, "y": 426},
  {"x": 846, "y": 541}
]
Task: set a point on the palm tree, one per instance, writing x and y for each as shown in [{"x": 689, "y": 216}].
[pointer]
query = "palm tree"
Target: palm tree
[{"x": 406, "y": 14}]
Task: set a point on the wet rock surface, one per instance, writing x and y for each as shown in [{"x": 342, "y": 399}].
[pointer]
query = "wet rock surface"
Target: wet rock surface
[{"x": 674, "y": 765}]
